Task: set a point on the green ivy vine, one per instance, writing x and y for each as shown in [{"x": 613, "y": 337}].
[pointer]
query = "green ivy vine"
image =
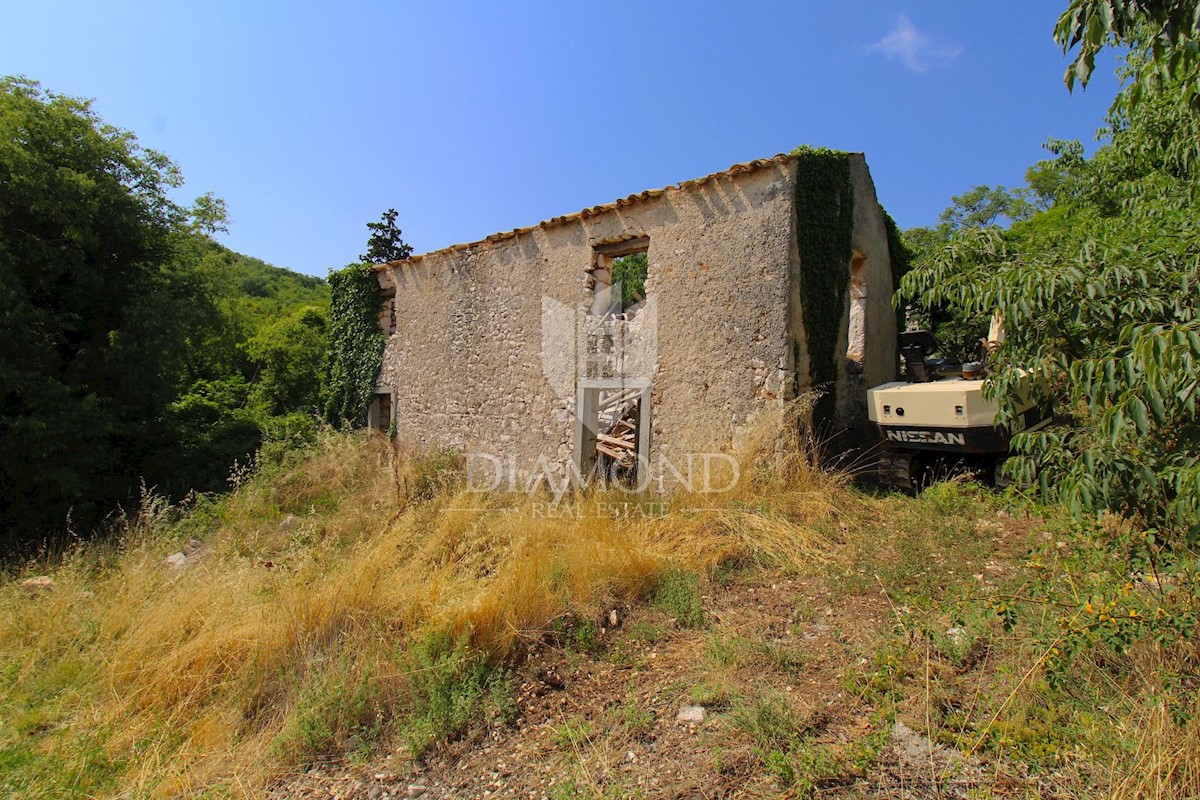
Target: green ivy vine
[
  {"x": 825, "y": 214},
  {"x": 355, "y": 344},
  {"x": 901, "y": 258}
]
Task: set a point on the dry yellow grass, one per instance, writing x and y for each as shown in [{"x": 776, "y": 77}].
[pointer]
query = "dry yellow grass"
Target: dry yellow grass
[
  {"x": 290, "y": 631},
  {"x": 1166, "y": 762}
]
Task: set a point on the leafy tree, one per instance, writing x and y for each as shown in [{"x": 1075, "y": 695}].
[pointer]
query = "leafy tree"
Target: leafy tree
[
  {"x": 121, "y": 358},
  {"x": 986, "y": 205},
  {"x": 212, "y": 427},
  {"x": 1099, "y": 295},
  {"x": 630, "y": 272},
  {"x": 289, "y": 358},
  {"x": 85, "y": 224},
  {"x": 1163, "y": 34},
  {"x": 1054, "y": 179},
  {"x": 243, "y": 379},
  {"x": 982, "y": 206},
  {"x": 384, "y": 243},
  {"x": 209, "y": 214}
]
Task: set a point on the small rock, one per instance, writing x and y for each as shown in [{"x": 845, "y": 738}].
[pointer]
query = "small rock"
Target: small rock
[
  {"x": 916, "y": 750},
  {"x": 374, "y": 793},
  {"x": 694, "y": 714},
  {"x": 176, "y": 560},
  {"x": 42, "y": 583},
  {"x": 415, "y": 789},
  {"x": 613, "y": 619},
  {"x": 193, "y": 546}
]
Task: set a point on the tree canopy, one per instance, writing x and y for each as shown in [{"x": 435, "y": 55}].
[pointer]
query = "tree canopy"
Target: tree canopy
[
  {"x": 1164, "y": 36},
  {"x": 121, "y": 359},
  {"x": 1098, "y": 290}
]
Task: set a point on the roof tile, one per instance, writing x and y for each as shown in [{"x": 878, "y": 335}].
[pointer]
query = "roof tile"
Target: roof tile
[{"x": 736, "y": 169}]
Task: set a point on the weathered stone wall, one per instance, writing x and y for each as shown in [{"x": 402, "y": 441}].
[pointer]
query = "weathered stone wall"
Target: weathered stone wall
[
  {"x": 482, "y": 361},
  {"x": 879, "y": 357},
  {"x": 491, "y": 339}
]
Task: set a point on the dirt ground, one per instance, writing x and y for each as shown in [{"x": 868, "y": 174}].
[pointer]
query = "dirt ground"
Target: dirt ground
[{"x": 786, "y": 672}]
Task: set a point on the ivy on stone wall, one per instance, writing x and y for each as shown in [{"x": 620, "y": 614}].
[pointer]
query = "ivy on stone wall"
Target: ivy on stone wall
[
  {"x": 355, "y": 344},
  {"x": 825, "y": 228},
  {"x": 901, "y": 257}
]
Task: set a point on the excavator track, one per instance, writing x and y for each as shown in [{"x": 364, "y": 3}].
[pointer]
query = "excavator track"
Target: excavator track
[{"x": 895, "y": 468}]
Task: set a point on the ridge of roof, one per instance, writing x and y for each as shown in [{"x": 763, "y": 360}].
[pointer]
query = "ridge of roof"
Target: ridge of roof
[{"x": 736, "y": 169}]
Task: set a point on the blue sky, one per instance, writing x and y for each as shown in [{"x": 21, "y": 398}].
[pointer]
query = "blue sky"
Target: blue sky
[{"x": 471, "y": 118}]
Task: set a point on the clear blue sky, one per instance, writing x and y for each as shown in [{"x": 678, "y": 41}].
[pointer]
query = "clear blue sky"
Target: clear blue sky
[{"x": 470, "y": 118}]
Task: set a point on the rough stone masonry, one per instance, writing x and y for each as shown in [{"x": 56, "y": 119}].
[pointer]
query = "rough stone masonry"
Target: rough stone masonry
[{"x": 520, "y": 353}]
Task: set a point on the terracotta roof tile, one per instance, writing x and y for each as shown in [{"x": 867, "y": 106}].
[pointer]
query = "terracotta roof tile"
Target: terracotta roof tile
[{"x": 633, "y": 199}]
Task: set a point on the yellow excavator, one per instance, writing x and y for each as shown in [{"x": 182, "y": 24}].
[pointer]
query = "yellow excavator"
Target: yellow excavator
[{"x": 936, "y": 422}]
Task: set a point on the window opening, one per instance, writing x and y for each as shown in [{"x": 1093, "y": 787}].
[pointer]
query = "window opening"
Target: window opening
[
  {"x": 619, "y": 278},
  {"x": 379, "y": 414},
  {"x": 857, "y": 334}
]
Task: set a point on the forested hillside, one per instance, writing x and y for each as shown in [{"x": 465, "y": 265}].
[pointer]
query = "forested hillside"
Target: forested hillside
[
  {"x": 136, "y": 350},
  {"x": 262, "y": 289}
]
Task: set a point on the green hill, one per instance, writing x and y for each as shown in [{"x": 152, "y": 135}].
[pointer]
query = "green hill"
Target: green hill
[{"x": 267, "y": 289}]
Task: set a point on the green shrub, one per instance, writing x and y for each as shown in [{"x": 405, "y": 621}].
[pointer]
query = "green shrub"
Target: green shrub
[
  {"x": 649, "y": 633},
  {"x": 677, "y": 593},
  {"x": 449, "y": 684},
  {"x": 572, "y": 733},
  {"x": 711, "y": 694},
  {"x": 342, "y": 707},
  {"x": 770, "y": 721},
  {"x": 881, "y": 680}
]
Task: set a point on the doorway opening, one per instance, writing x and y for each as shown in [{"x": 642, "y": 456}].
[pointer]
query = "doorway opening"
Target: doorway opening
[{"x": 612, "y": 432}]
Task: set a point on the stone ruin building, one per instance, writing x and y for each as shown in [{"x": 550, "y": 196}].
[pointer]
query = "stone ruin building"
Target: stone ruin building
[{"x": 523, "y": 352}]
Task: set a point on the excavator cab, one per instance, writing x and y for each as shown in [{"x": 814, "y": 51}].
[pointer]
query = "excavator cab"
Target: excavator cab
[{"x": 916, "y": 347}]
